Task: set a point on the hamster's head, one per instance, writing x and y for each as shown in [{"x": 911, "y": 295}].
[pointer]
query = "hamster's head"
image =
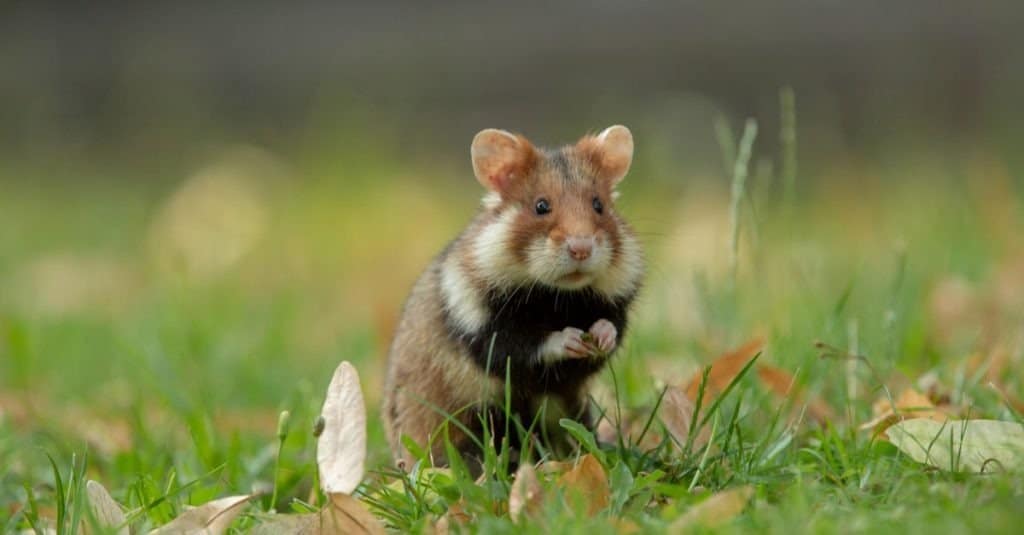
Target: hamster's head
[{"x": 549, "y": 215}]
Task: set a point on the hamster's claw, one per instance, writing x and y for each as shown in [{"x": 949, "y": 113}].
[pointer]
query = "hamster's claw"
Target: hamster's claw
[{"x": 605, "y": 335}]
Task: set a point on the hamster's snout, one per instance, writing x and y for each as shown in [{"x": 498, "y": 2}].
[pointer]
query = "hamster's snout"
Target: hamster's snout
[{"x": 580, "y": 248}]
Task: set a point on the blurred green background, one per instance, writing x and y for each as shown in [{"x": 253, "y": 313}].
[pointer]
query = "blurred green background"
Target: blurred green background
[{"x": 204, "y": 208}]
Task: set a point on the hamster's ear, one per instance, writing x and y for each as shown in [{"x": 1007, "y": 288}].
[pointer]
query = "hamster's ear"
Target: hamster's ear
[
  {"x": 501, "y": 159},
  {"x": 611, "y": 152}
]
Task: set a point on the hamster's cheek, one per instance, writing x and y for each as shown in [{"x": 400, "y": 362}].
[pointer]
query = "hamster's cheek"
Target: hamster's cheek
[
  {"x": 544, "y": 259},
  {"x": 602, "y": 257}
]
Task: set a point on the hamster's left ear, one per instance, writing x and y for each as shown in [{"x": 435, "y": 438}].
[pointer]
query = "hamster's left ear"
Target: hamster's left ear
[
  {"x": 501, "y": 160},
  {"x": 611, "y": 152}
]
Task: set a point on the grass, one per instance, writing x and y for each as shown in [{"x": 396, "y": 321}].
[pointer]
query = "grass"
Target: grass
[{"x": 163, "y": 377}]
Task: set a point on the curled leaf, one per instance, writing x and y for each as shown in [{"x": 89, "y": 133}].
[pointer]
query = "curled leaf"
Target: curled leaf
[
  {"x": 910, "y": 405},
  {"x": 526, "y": 495},
  {"x": 715, "y": 511},
  {"x": 343, "y": 515},
  {"x": 783, "y": 385},
  {"x": 348, "y": 515},
  {"x": 341, "y": 447},
  {"x": 211, "y": 518},
  {"x": 676, "y": 412},
  {"x": 105, "y": 510},
  {"x": 724, "y": 369}
]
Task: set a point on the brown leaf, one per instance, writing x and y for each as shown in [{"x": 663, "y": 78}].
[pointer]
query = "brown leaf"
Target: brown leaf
[
  {"x": 553, "y": 468},
  {"x": 349, "y": 515},
  {"x": 715, "y": 511},
  {"x": 210, "y": 518},
  {"x": 631, "y": 428},
  {"x": 105, "y": 510},
  {"x": 343, "y": 515},
  {"x": 783, "y": 385},
  {"x": 909, "y": 405},
  {"x": 724, "y": 370},
  {"x": 456, "y": 514},
  {"x": 305, "y": 524},
  {"x": 587, "y": 480},
  {"x": 526, "y": 495},
  {"x": 676, "y": 412}
]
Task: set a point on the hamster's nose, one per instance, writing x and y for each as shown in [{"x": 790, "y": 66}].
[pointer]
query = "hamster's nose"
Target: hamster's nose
[{"x": 580, "y": 248}]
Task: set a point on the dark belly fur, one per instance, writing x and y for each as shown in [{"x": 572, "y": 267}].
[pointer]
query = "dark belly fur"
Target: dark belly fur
[{"x": 521, "y": 320}]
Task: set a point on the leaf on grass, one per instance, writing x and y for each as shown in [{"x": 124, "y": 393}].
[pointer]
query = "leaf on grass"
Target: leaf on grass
[
  {"x": 783, "y": 385},
  {"x": 343, "y": 515},
  {"x": 348, "y": 515},
  {"x": 588, "y": 481},
  {"x": 962, "y": 445},
  {"x": 724, "y": 369},
  {"x": 210, "y": 518},
  {"x": 526, "y": 495},
  {"x": 456, "y": 514},
  {"x": 105, "y": 510},
  {"x": 341, "y": 447},
  {"x": 715, "y": 511},
  {"x": 631, "y": 429},
  {"x": 305, "y": 524},
  {"x": 910, "y": 405},
  {"x": 553, "y": 468},
  {"x": 676, "y": 412}
]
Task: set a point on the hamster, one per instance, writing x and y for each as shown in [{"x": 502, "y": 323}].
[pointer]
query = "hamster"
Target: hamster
[{"x": 537, "y": 289}]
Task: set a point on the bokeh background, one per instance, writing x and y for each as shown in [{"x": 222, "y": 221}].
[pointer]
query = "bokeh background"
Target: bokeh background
[{"x": 205, "y": 207}]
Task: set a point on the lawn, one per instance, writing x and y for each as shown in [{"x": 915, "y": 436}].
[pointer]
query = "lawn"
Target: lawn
[{"x": 153, "y": 329}]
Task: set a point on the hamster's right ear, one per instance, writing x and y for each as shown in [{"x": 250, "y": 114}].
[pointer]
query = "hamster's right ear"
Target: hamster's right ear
[{"x": 501, "y": 159}]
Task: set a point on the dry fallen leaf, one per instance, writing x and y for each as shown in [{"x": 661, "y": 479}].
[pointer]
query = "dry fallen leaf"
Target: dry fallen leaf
[
  {"x": 783, "y": 385},
  {"x": 714, "y": 511},
  {"x": 587, "y": 480},
  {"x": 456, "y": 514},
  {"x": 676, "y": 412},
  {"x": 341, "y": 447},
  {"x": 526, "y": 495},
  {"x": 723, "y": 370},
  {"x": 973, "y": 445},
  {"x": 631, "y": 429},
  {"x": 210, "y": 518},
  {"x": 105, "y": 510},
  {"x": 349, "y": 515},
  {"x": 344, "y": 515},
  {"x": 910, "y": 405},
  {"x": 553, "y": 468}
]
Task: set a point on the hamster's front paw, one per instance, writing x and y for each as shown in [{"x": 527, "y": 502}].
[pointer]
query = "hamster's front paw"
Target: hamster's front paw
[
  {"x": 567, "y": 343},
  {"x": 605, "y": 335}
]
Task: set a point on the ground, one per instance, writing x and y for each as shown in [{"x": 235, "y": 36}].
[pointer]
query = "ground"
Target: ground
[{"x": 151, "y": 332}]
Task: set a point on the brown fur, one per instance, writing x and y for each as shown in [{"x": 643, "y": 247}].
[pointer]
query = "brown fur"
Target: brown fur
[{"x": 429, "y": 372}]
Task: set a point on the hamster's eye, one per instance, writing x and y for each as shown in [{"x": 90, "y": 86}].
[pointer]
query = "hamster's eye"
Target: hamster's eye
[
  {"x": 542, "y": 207},
  {"x": 598, "y": 206}
]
